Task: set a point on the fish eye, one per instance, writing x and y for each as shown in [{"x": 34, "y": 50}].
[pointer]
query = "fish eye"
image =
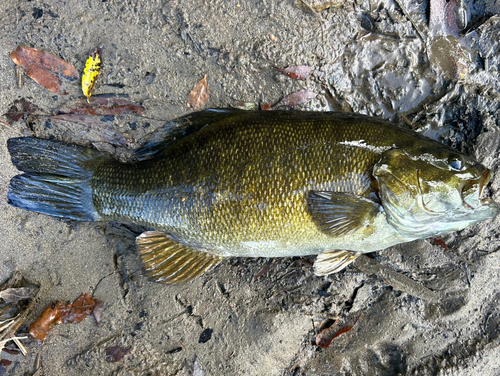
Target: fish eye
[{"x": 456, "y": 163}]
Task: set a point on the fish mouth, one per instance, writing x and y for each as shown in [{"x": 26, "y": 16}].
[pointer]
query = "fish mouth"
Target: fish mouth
[{"x": 478, "y": 184}]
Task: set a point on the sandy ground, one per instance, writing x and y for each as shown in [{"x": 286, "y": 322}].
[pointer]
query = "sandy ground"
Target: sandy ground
[{"x": 228, "y": 322}]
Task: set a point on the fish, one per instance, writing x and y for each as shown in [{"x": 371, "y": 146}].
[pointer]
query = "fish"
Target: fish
[{"x": 237, "y": 183}]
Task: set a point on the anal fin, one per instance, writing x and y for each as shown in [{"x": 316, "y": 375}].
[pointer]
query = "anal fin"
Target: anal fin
[
  {"x": 330, "y": 262},
  {"x": 167, "y": 261}
]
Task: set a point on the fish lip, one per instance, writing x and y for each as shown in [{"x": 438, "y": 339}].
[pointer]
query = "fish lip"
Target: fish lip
[{"x": 485, "y": 178}]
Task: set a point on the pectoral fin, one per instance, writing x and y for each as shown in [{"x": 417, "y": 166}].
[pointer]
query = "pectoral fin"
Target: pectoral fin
[
  {"x": 340, "y": 214},
  {"x": 330, "y": 262},
  {"x": 167, "y": 261}
]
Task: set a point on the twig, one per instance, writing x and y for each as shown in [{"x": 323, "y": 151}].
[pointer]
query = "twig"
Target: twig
[
  {"x": 395, "y": 279},
  {"x": 20, "y": 345},
  {"x": 8, "y": 332},
  {"x": 403, "y": 9},
  {"x": 264, "y": 270},
  {"x": 6, "y": 323},
  {"x": 5, "y": 124}
]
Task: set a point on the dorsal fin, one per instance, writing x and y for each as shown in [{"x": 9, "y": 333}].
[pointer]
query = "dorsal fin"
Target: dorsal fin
[
  {"x": 180, "y": 128},
  {"x": 167, "y": 261},
  {"x": 340, "y": 214}
]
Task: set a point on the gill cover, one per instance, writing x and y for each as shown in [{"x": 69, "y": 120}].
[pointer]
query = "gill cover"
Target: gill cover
[{"x": 432, "y": 191}]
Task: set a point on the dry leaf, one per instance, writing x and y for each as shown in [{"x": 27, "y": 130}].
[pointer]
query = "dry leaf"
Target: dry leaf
[
  {"x": 103, "y": 105},
  {"x": 116, "y": 353},
  {"x": 43, "y": 67},
  {"x": 443, "y": 17},
  {"x": 438, "y": 241},
  {"x": 295, "y": 99},
  {"x": 92, "y": 67},
  {"x": 97, "y": 311},
  {"x": 58, "y": 313},
  {"x": 265, "y": 106},
  {"x": 21, "y": 108},
  {"x": 199, "y": 95},
  {"x": 13, "y": 294},
  {"x": 17, "y": 300},
  {"x": 299, "y": 72},
  {"x": 81, "y": 129},
  {"x": 326, "y": 336}
]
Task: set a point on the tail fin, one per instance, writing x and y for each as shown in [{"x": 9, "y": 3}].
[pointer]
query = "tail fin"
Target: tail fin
[{"x": 57, "y": 179}]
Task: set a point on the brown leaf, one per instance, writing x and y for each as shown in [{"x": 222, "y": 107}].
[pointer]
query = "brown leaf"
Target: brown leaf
[
  {"x": 81, "y": 129},
  {"x": 11, "y": 351},
  {"x": 21, "y": 108},
  {"x": 294, "y": 99},
  {"x": 58, "y": 313},
  {"x": 116, "y": 353},
  {"x": 438, "y": 241},
  {"x": 199, "y": 95},
  {"x": 265, "y": 106},
  {"x": 5, "y": 362},
  {"x": 13, "y": 294},
  {"x": 102, "y": 105},
  {"x": 443, "y": 17},
  {"x": 43, "y": 67},
  {"x": 297, "y": 73},
  {"x": 97, "y": 310},
  {"x": 326, "y": 336}
]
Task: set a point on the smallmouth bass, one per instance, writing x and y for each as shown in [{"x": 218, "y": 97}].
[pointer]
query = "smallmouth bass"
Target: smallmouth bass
[{"x": 261, "y": 184}]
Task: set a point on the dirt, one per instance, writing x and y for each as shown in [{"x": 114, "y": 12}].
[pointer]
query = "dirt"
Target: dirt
[{"x": 259, "y": 316}]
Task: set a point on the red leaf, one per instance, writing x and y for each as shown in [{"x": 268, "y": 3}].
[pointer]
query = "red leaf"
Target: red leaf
[
  {"x": 199, "y": 95},
  {"x": 116, "y": 353},
  {"x": 58, "y": 313},
  {"x": 326, "y": 336},
  {"x": 43, "y": 67},
  {"x": 294, "y": 99},
  {"x": 299, "y": 72}
]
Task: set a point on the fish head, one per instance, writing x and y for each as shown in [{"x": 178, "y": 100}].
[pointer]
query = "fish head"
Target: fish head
[{"x": 432, "y": 191}]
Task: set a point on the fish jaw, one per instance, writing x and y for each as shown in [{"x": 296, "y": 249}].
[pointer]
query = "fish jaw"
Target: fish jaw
[{"x": 425, "y": 224}]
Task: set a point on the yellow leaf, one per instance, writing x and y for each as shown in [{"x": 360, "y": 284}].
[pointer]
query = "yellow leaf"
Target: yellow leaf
[{"x": 90, "y": 73}]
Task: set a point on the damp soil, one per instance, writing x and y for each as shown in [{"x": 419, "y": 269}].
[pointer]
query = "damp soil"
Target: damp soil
[{"x": 260, "y": 316}]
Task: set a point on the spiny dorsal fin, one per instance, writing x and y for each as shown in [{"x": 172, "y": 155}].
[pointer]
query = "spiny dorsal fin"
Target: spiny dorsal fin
[
  {"x": 167, "y": 261},
  {"x": 340, "y": 214},
  {"x": 156, "y": 143},
  {"x": 330, "y": 262}
]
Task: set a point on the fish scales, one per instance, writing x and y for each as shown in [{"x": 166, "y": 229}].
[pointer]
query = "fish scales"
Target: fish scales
[{"x": 239, "y": 182}]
